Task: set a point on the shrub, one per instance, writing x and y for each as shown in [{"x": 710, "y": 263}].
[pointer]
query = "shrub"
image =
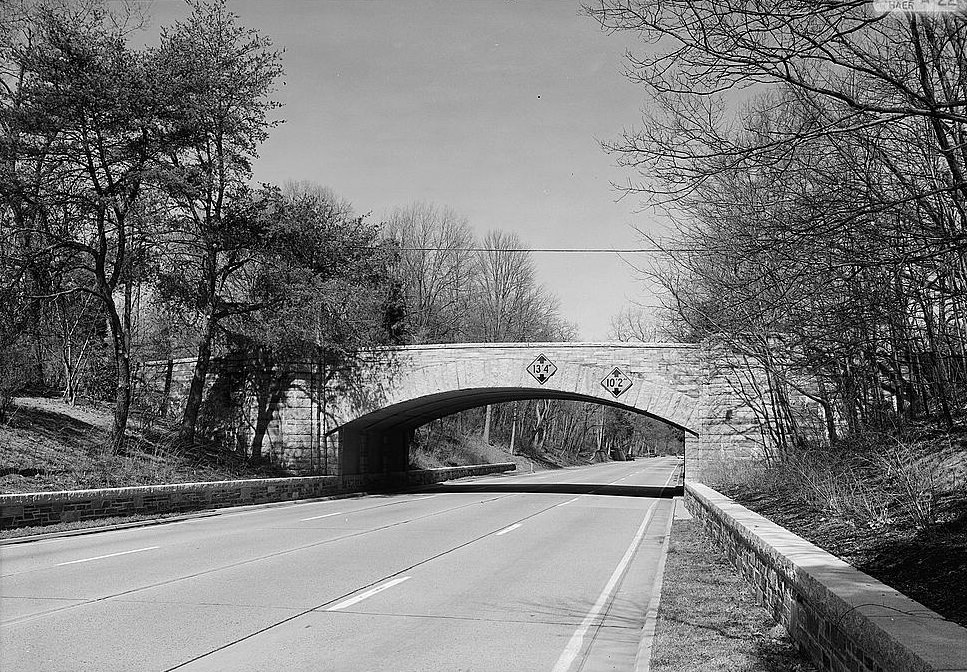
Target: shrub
[
  {"x": 732, "y": 474},
  {"x": 872, "y": 482}
]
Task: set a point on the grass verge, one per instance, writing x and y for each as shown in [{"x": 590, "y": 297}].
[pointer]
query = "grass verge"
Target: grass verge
[
  {"x": 708, "y": 619},
  {"x": 99, "y": 524}
]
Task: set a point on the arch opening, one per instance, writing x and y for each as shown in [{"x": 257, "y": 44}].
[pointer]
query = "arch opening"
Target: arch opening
[
  {"x": 415, "y": 412},
  {"x": 379, "y": 441}
]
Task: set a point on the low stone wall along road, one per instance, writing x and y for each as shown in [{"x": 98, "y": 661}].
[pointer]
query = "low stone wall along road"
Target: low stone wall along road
[{"x": 550, "y": 571}]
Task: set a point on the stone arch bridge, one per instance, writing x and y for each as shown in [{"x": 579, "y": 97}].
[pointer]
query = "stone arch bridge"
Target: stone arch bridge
[{"x": 360, "y": 419}]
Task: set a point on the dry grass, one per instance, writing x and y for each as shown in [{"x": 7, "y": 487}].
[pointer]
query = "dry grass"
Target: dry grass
[
  {"x": 708, "y": 619},
  {"x": 736, "y": 474},
  {"x": 99, "y": 524},
  {"x": 893, "y": 507},
  {"x": 891, "y": 483},
  {"x": 48, "y": 445},
  {"x": 457, "y": 451}
]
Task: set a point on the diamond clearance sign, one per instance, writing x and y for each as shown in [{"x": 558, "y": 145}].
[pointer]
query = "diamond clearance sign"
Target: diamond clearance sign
[
  {"x": 616, "y": 382},
  {"x": 542, "y": 369}
]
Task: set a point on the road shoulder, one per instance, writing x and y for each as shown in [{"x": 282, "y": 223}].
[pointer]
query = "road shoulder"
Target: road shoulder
[{"x": 708, "y": 618}]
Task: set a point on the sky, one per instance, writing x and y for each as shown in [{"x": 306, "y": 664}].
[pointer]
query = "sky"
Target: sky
[{"x": 494, "y": 108}]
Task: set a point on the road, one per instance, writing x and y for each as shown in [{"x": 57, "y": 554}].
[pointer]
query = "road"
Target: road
[{"x": 549, "y": 571}]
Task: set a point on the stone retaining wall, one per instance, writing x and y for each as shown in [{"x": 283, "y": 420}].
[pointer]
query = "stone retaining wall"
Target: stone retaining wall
[
  {"x": 844, "y": 619},
  {"x": 46, "y": 508}
]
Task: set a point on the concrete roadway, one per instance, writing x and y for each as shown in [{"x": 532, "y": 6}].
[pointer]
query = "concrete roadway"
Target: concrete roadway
[{"x": 550, "y": 571}]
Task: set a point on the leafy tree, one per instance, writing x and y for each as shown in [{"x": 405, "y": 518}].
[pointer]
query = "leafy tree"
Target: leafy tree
[
  {"x": 224, "y": 75},
  {"x": 323, "y": 282},
  {"x": 83, "y": 121}
]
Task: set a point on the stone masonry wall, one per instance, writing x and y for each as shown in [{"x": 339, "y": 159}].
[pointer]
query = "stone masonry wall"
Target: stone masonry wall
[
  {"x": 46, "y": 508},
  {"x": 844, "y": 619},
  {"x": 282, "y": 415},
  {"x": 728, "y": 426}
]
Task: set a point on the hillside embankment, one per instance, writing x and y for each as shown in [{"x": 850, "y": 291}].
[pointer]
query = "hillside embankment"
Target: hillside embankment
[
  {"x": 48, "y": 445},
  {"x": 452, "y": 450},
  {"x": 893, "y": 505}
]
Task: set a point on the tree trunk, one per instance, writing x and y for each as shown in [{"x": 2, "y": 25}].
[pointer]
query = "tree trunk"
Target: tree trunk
[
  {"x": 487, "y": 418},
  {"x": 166, "y": 398},
  {"x": 830, "y": 418},
  {"x": 600, "y": 428},
  {"x": 196, "y": 391},
  {"x": 122, "y": 367},
  {"x": 268, "y": 394},
  {"x": 513, "y": 430}
]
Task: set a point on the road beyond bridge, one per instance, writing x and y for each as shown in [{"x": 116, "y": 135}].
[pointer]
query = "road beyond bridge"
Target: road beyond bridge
[{"x": 361, "y": 418}]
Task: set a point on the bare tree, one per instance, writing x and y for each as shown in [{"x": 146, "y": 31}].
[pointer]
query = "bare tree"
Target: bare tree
[
  {"x": 436, "y": 265},
  {"x": 639, "y": 323},
  {"x": 814, "y": 155},
  {"x": 865, "y": 70},
  {"x": 507, "y": 302}
]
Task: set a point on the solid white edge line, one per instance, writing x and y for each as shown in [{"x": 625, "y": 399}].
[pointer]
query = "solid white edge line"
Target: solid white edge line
[
  {"x": 109, "y": 555},
  {"x": 643, "y": 657},
  {"x": 509, "y": 528},
  {"x": 369, "y": 593},
  {"x": 576, "y": 643}
]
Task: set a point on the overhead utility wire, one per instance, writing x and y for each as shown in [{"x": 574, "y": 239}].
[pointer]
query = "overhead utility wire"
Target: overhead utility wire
[{"x": 564, "y": 250}]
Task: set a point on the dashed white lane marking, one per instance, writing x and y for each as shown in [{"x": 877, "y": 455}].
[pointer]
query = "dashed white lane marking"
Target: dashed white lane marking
[
  {"x": 340, "y": 513},
  {"x": 624, "y": 478},
  {"x": 366, "y": 595},
  {"x": 567, "y": 502},
  {"x": 109, "y": 555},
  {"x": 325, "y": 515},
  {"x": 509, "y": 528}
]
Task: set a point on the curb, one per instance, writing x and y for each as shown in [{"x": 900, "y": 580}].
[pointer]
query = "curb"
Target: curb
[
  {"x": 207, "y": 513},
  {"x": 174, "y": 518}
]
